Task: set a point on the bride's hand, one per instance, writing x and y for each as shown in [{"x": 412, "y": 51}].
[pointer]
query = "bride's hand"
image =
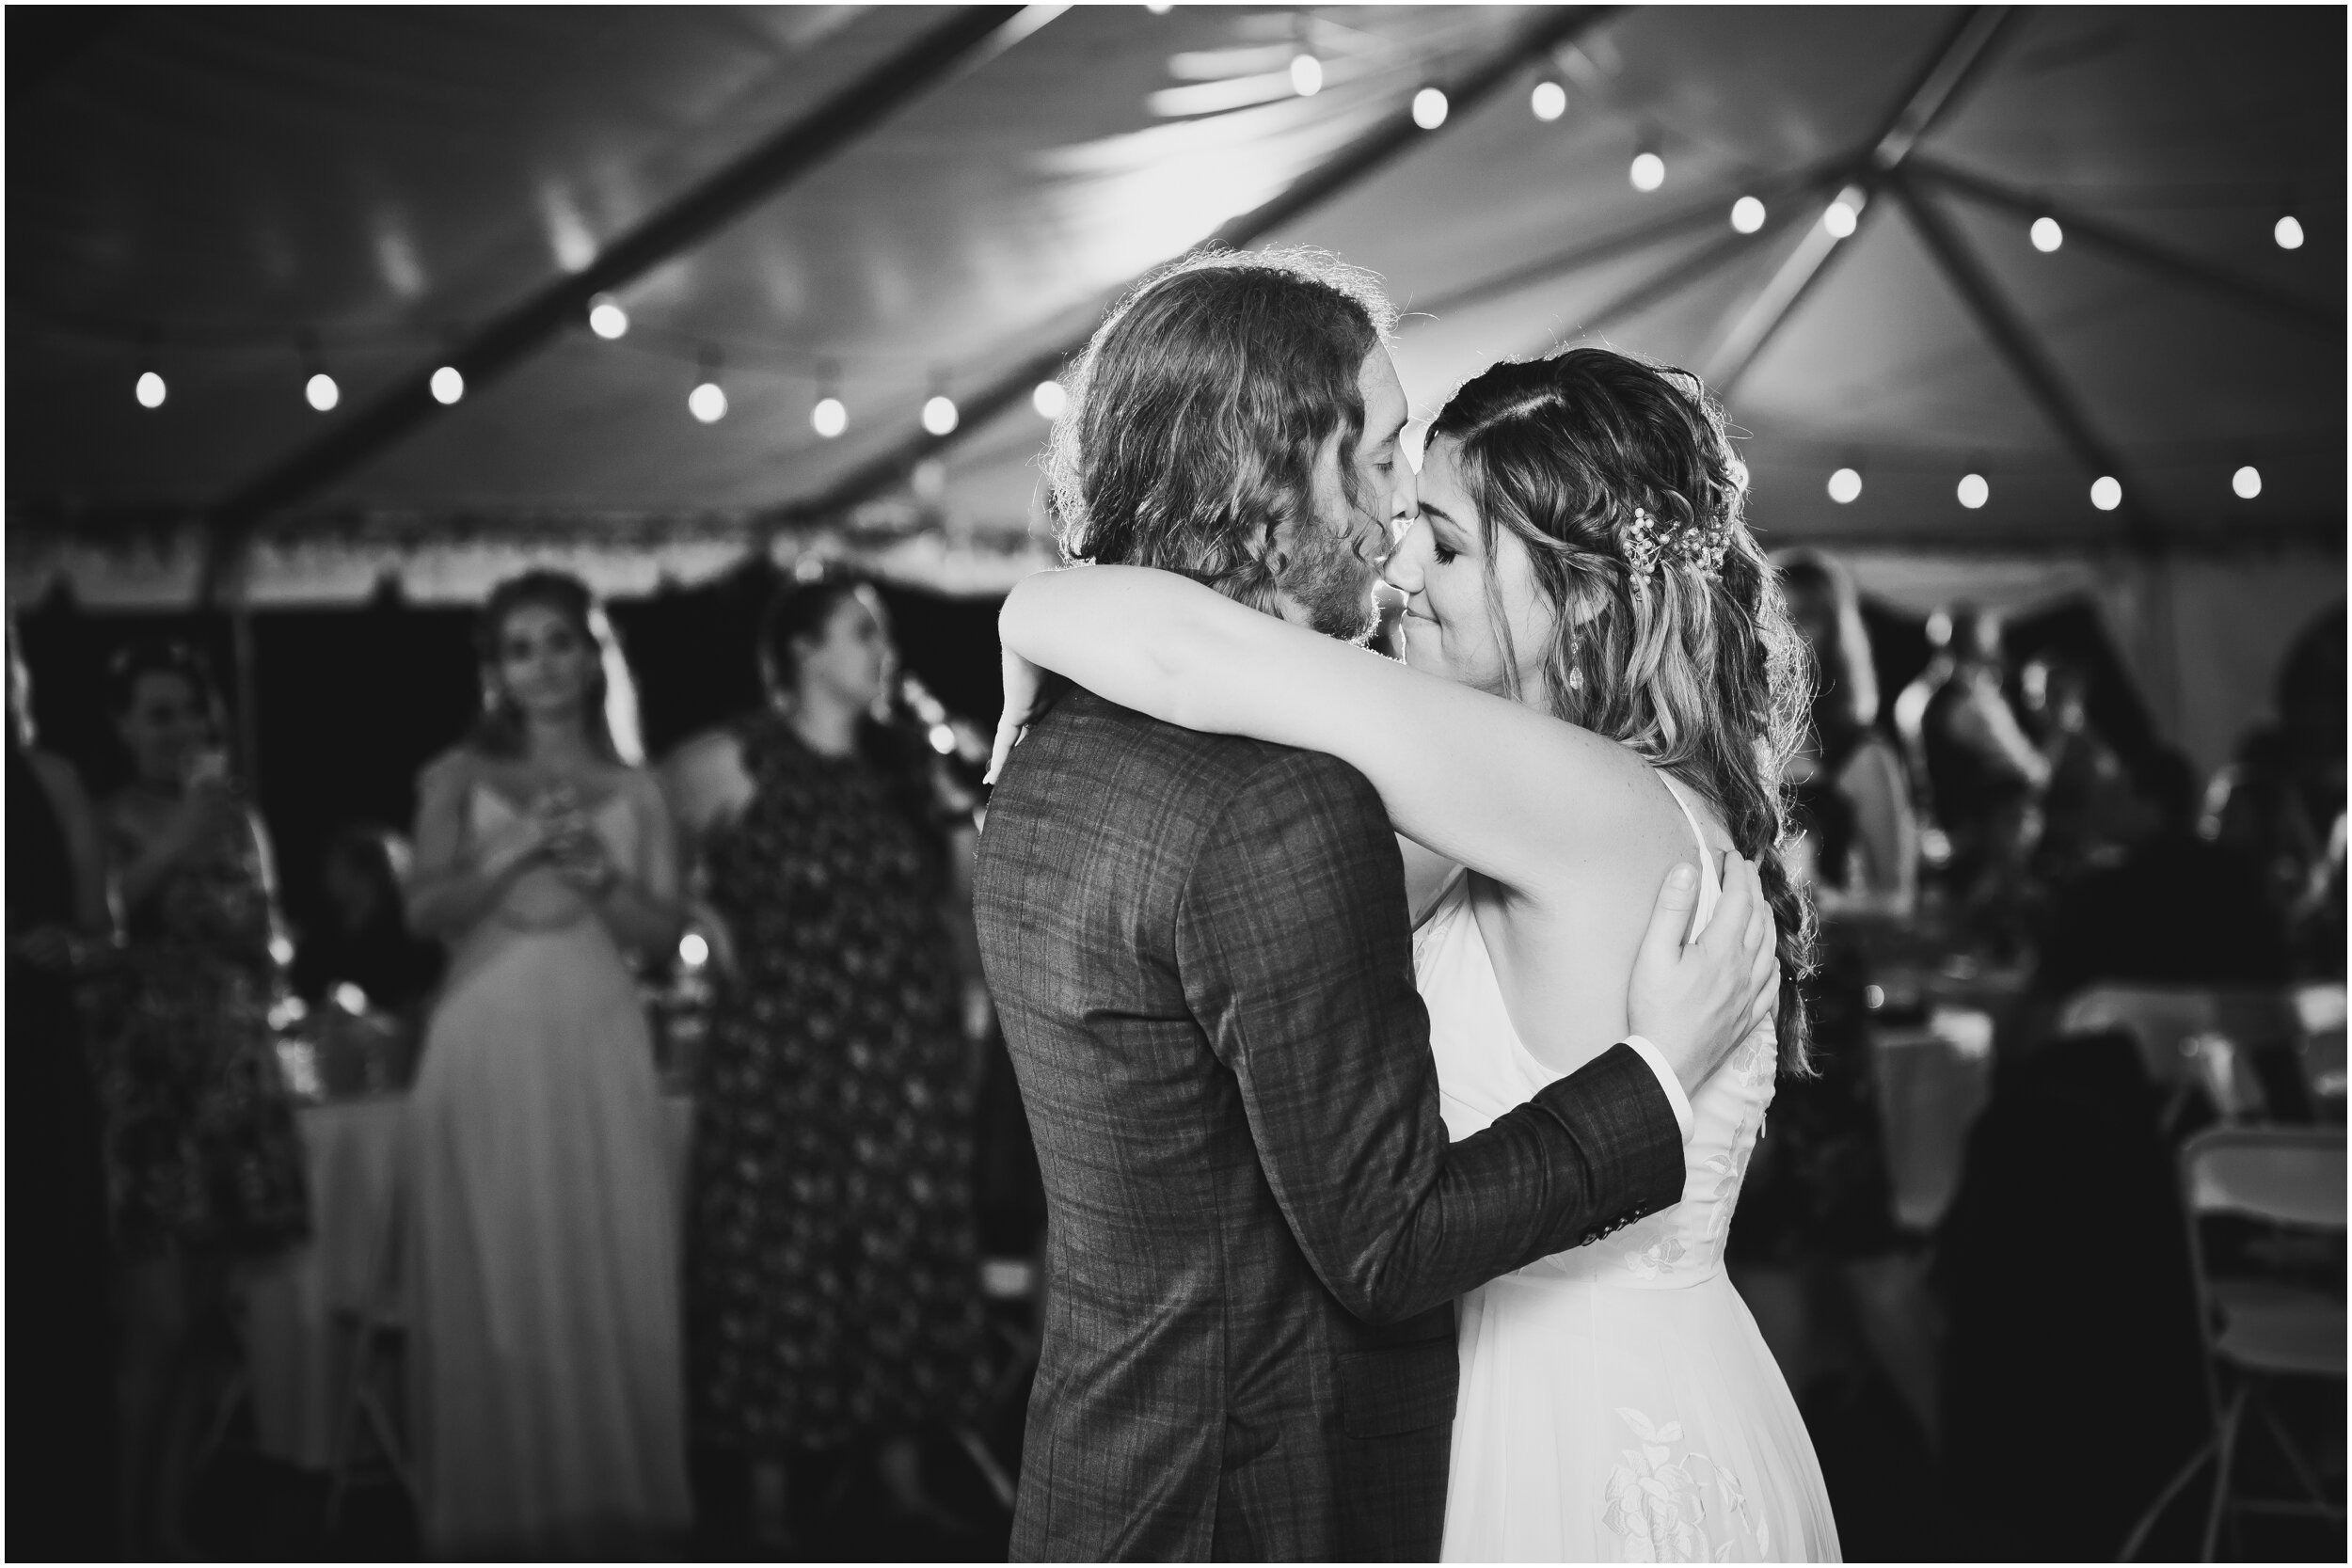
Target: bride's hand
[{"x": 1022, "y": 681}]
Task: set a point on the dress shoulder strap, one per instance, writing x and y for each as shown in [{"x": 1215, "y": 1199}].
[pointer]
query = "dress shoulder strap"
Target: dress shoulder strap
[{"x": 1710, "y": 885}]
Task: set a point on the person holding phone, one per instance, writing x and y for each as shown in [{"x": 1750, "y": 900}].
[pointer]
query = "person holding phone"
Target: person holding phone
[{"x": 204, "y": 1162}]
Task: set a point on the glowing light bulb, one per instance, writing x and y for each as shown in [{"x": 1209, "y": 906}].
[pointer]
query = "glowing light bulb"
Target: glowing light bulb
[
  {"x": 943, "y": 739},
  {"x": 2248, "y": 482},
  {"x": 322, "y": 391},
  {"x": 606, "y": 318},
  {"x": 1550, "y": 101},
  {"x": 350, "y": 998},
  {"x": 708, "y": 403},
  {"x": 1429, "y": 108},
  {"x": 1159, "y": 7},
  {"x": 1305, "y": 75},
  {"x": 1648, "y": 171},
  {"x": 1974, "y": 491},
  {"x": 1747, "y": 214},
  {"x": 830, "y": 418},
  {"x": 1841, "y": 219},
  {"x": 150, "y": 390},
  {"x": 449, "y": 385},
  {"x": 694, "y": 950},
  {"x": 2288, "y": 231},
  {"x": 2046, "y": 235},
  {"x": 1844, "y": 485},
  {"x": 1049, "y": 400},
  {"x": 939, "y": 414},
  {"x": 2107, "y": 493}
]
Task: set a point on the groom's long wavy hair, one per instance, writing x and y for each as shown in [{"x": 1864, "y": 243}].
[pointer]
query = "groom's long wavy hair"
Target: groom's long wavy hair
[
  {"x": 1699, "y": 670},
  {"x": 1197, "y": 411}
]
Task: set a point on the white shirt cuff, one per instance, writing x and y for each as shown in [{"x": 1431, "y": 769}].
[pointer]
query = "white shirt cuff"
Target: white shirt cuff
[{"x": 1668, "y": 1081}]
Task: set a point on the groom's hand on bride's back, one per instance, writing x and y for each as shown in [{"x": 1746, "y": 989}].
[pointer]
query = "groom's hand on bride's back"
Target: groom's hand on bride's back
[{"x": 1695, "y": 1002}]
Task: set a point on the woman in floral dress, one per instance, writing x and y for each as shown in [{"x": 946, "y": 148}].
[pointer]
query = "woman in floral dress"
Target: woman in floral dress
[
  {"x": 204, "y": 1162},
  {"x": 832, "y": 1281}
]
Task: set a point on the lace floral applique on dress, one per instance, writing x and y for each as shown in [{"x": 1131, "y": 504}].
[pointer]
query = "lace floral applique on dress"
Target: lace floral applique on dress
[{"x": 1660, "y": 1504}]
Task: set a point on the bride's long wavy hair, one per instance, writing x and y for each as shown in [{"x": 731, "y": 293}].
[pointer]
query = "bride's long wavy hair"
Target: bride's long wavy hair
[{"x": 1696, "y": 668}]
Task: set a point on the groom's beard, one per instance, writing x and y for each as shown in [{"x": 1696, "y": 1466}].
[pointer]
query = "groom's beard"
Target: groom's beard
[{"x": 1328, "y": 586}]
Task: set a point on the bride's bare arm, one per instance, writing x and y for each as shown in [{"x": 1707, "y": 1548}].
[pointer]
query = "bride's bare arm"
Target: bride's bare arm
[
  {"x": 1508, "y": 791},
  {"x": 452, "y": 884}
]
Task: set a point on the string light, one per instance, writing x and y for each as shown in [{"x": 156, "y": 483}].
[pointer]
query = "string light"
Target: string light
[
  {"x": 1648, "y": 171},
  {"x": 1974, "y": 491},
  {"x": 1049, "y": 400},
  {"x": 1747, "y": 214},
  {"x": 2248, "y": 482},
  {"x": 322, "y": 393},
  {"x": 2107, "y": 493},
  {"x": 707, "y": 402},
  {"x": 694, "y": 950},
  {"x": 1845, "y": 486},
  {"x": 939, "y": 414},
  {"x": 830, "y": 418},
  {"x": 1305, "y": 75},
  {"x": 150, "y": 390},
  {"x": 2288, "y": 231},
  {"x": 449, "y": 385},
  {"x": 2046, "y": 234},
  {"x": 1429, "y": 108},
  {"x": 606, "y": 318},
  {"x": 1843, "y": 214},
  {"x": 1549, "y": 101}
]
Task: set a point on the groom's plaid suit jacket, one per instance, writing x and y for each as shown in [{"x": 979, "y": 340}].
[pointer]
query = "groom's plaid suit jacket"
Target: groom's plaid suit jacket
[{"x": 1198, "y": 947}]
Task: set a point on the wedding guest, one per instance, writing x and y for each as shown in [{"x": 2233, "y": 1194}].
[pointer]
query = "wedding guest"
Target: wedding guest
[
  {"x": 364, "y": 939},
  {"x": 547, "y": 1318},
  {"x": 831, "y": 1280},
  {"x": 2176, "y": 910},
  {"x": 62, "y": 1473},
  {"x": 2283, "y": 798},
  {"x": 205, "y": 1164},
  {"x": 1986, "y": 777}
]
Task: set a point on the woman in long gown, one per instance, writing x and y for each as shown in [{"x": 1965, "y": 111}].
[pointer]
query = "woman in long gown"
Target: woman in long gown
[
  {"x": 551, "y": 1416},
  {"x": 833, "y": 1282},
  {"x": 1598, "y": 670}
]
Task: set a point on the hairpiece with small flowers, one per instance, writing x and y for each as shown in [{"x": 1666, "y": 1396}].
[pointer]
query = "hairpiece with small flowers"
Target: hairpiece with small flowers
[{"x": 1647, "y": 541}]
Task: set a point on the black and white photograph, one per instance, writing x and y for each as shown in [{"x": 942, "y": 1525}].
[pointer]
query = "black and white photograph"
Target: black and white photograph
[{"x": 1176, "y": 781}]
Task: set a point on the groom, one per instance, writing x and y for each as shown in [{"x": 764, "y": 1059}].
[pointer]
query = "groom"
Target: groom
[{"x": 1199, "y": 948}]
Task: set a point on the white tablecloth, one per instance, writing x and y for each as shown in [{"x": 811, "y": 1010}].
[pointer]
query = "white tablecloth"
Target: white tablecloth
[{"x": 300, "y": 1307}]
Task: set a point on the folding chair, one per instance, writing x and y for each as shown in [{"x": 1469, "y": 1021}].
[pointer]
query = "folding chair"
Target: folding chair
[{"x": 2256, "y": 1331}]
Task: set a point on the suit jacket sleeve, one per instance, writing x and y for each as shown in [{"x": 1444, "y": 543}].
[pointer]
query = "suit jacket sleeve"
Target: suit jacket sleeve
[{"x": 1296, "y": 965}]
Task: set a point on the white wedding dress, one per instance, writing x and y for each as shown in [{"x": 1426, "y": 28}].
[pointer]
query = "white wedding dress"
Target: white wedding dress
[{"x": 1617, "y": 1403}]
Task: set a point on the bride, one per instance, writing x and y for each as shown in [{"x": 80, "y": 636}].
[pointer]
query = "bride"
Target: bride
[{"x": 1596, "y": 670}]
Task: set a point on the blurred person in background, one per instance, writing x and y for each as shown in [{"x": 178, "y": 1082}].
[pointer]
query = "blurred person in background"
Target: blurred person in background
[
  {"x": 364, "y": 939},
  {"x": 1986, "y": 778},
  {"x": 832, "y": 1273},
  {"x": 2090, "y": 810},
  {"x": 205, "y": 1163},
  {"x": 2283, "y": 798},
  {"x": 1814, "y": 1245},
  {"x": 61, "y": 1468},
  {"x": 551, "y": 1415},
  {"x": 2173, "y": 909}
]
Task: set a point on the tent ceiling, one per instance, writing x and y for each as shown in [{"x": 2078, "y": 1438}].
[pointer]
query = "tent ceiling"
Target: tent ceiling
[{"x": 229, "y": 181}]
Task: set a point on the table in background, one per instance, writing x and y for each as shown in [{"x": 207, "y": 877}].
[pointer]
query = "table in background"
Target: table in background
[{"x": 300, "y": 1306}]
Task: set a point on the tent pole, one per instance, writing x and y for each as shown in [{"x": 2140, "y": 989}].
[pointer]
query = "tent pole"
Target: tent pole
[
  {"x": 1931, "y": 94},
  {"x": 2160, "y": 260},
  {"x": 1705, "y": 213},
  {"x": 969, "y": 33},
  {"x": 1552, "y": 29},
  {"x": 2014, "y": 341}
]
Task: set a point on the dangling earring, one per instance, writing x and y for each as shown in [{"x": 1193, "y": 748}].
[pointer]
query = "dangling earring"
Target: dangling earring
[{"x": 1576, "y": 679}]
